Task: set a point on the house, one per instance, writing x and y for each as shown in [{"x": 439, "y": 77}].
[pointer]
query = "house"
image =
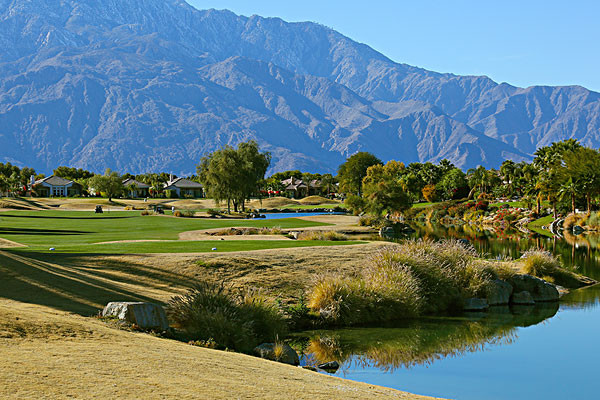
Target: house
[
  {"x": 184, "y": 187},
  {"x": 314, "y": 187},
  {"x": 135, "y": 188},
  {"x": 295, "y": 187},
  {"x": 55, "y": 186}
]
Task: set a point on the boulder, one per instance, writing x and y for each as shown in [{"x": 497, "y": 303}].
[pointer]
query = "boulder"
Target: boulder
[
  {"x": 287, "y": 356},
  {"x": 498, "y": 293},
  {"x": 539, "y": 289},
  {"x": 475, "y": 304},
  {"x": 522, "y": 298},
  {"x": 144, "y": 315},
  {"x": 330, "y": 366}
]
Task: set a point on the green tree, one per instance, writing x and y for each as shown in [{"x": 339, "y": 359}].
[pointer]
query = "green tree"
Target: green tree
[
  {"x": 233, "y": 175},
  {"x": 352, "y": 172},
  {"x": 582, "y": 168},
  {"x": 453, "y": 183},
  {"x": 382, "y": 189},
  {"x": 72, "y": 173},
  {"x": 109, "y": 183},
  {"x": 327, "y": 184}
]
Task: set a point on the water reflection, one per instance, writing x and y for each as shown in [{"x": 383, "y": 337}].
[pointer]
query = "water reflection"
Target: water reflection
[
  {"x": 422, "y": 341},
  {"x": 581, "y": 252},
  {"x": 520, "y": 353}
]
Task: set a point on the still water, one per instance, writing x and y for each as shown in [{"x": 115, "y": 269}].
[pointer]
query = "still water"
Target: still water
[
  {"x": 297, "y": 214},
  {"x": 548, "y": 351}
]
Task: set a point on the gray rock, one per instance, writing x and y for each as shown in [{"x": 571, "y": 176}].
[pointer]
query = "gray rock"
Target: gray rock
[
  {"x": 144, "y": 315},
  {"x": 475, "y": 304},
  {"x": 539, "y": 289},
  {"x": 522, "y": 298},
  {"x": 498, "y": 293},
  {"x": 329, "y": 366},
  {"x": 288, "y": 355}
]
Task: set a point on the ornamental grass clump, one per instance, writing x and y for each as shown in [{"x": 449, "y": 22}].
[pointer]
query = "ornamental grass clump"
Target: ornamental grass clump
[
  {"x": 322, "y": 236},
  {"x": 544, "y": 265},
  {"x": 238, "y": 320},
  {"x": 414, "y": 278}
]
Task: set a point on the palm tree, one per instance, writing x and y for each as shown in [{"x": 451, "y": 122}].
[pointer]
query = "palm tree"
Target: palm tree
[
  {"x": 570, "y": 189},
  {"x": 507, "y": 171}
]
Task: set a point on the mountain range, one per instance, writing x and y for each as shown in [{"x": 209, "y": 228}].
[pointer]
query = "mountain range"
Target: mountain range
[{"x": 154, "y": 85}]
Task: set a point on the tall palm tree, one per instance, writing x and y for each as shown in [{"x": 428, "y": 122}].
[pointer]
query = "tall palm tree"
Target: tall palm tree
[{"x": 569, "y": 189}]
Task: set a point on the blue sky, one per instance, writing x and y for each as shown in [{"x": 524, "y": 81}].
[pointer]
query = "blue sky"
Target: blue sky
[{"x": 524, "y": 43}]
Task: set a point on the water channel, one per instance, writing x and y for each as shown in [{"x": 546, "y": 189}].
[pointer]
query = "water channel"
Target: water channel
[{"x": 548, "y": 351}]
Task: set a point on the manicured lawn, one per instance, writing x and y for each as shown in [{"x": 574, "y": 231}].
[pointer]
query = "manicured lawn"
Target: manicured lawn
[{"x": 80, "y": 231}]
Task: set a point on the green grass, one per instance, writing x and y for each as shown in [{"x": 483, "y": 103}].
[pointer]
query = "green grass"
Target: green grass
[
  {"x": 536, "y": 225},
  {"x": 422, "y": 205},
  {"x": 80, "y": 231}
]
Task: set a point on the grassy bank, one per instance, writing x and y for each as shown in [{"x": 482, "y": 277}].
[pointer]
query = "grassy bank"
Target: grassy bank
[
  {"x": 422, "y": 277},
  {"x": 536, "y": 225},
  {"x": 51, "y": 354}
]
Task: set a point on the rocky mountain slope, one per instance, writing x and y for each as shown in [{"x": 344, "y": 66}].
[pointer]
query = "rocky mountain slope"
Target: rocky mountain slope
[{"x": 153, "y": 85}]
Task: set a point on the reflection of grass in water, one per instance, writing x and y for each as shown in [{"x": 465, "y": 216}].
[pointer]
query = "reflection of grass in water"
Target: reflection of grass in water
[
  {"x": 415, "y": 347},
  {"x": 421, "y": 342}
]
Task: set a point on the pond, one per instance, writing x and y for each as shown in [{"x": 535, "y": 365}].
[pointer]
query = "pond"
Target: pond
[
  {"x": 547, "y": 351},
  {"x": 298, "y": 214}
]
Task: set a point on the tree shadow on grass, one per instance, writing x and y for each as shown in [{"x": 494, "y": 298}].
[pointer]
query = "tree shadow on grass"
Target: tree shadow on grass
[
  {"x": 118, "y": 270},
  {"x": 77, "y": 290},
  {"x": 58, "y": 217},
  {"x": 34, "y": 231}
]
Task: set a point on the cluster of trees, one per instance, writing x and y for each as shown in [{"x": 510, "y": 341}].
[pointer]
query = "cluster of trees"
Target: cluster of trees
[
  {"x": 565, "y": 174},
  {"x": 393, "y": 187},
  {"x": 273, "y": 183},
  {"x": 233, "y": 175},
  {"x": 14, "y": 180}
]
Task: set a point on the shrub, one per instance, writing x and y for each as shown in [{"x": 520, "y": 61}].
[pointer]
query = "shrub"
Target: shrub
[
  {"x": 593, "y": 221},
  {"x": 235, "y": 320},
  {"x": 355, "y": 204},
  {"x": 184, "y": 213},
  {"x": 147, "y": 212},
  {"x": 574, "y": 219},
  {"x": 429, "y": 193},
  {"x": 543, "y": 264},
  {"x": 213, "y": 212},
  {"x": 371, "y": 220},
  {"x": 171, "y": 194},
  {"x": 320, "y": 235},
  {"x": 414, "y": 278}
]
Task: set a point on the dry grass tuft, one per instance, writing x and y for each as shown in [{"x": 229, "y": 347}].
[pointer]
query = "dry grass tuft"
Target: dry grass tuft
[
  {"x": 414, "y": 278},
  {"x": 320, "y": 235},
  {"x": 237, "y": 320}
]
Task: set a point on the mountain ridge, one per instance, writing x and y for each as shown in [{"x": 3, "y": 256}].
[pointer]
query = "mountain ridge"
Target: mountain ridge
[{"x": 142, "y": 85}]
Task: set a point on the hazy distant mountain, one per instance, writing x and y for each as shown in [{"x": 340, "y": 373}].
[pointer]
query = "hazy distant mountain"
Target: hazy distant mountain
[{"x": 153, "y": 85}]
